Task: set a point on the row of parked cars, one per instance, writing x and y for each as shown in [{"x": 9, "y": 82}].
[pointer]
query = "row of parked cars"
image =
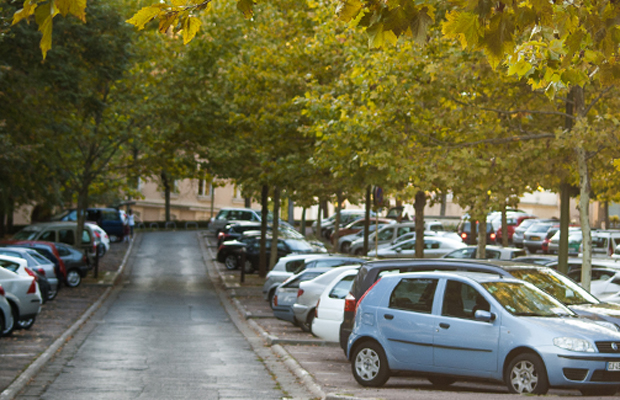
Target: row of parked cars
[
  {"x": 37, "y": 262},
  {"x": 520, "y": 322}
]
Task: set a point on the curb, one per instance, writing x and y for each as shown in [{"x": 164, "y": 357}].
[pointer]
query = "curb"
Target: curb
[{"x": 22, "y": 380}]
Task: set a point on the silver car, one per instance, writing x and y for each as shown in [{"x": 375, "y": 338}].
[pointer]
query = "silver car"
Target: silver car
[
  {"x": 36, "y": 262},
  {"x": 21, "y": 290},
  {"x": 535, "y": 234},
  {"x": 434, "y": 247},
  {"x": 517, "y": 236},
  {"x": 492, "y": 252},
  {"x": 382, "y": 236},
  {"x": 7, "y": 323}
]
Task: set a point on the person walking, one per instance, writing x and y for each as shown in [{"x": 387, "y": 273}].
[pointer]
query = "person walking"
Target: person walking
[{"x": 131, "y": 222}]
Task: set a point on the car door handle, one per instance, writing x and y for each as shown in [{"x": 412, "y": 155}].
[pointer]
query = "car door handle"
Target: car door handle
[
  {"x": 444, "y": 325},
  {"x": 388, "y": 316}
]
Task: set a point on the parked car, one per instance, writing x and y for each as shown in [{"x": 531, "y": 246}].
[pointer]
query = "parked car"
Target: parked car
[
  {"x": 309, "y": 293},
  {"x": 76, "y": 263},
  {"x": 7, "y": 323},
  {"x": 236, "y": 229},
  {"x": 359, "y": 224},
  {"x": 47, "y": 250},
  {"x": 464, "y": 230},
  {"x": 292, "y": 265},
  {"x": 43, "y": 267},
  {"x": 546, "y": 278},
  {"x": 535, "y": 234},
  {"x": 63, "y": 232},
  {"x": 286, "y": 294},
  {"x": 574, "y": 240},
  {"x": 434, "y": 247},
  {"x": 231, "y": 214},
  {"x": 451, "y": 326},
  {"x": 344, "y": 242},
  {"x": 21, "y": 291},
  {"x": 513, "y": 221},
  {"x": 102, "y": 238},
  {"x": 330, "y": 307},
  {"x": 517, "y": 235},
  {"x": 604, "y": 242},
  {"x": 383, "y": 235},
  {"x": 604, "y": 282},
  {"x": 537, "y": 259},
  {"x": 492, "y": 252},
  {"x": 346, "y": 217},
  {"x": 108, "y": 218}
]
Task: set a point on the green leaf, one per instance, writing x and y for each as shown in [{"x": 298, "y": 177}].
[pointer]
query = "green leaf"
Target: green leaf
[
  {"x": 191, "y": 26},
  {"x": 463, "y": 26},
  {"x": 419, "y": 26},
  {"x": 377, "y": 36},
  {"x": 246, "y": 7},
  {"x": 348, "y": 9},
  {"x": 144, "y": 16},
  {"x": 519, "y": 68}
]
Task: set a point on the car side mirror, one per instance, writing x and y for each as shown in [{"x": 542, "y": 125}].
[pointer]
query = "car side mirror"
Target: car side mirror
[
  {"x": 398, "y": 249},
  {"x": 485, "y": 316}
]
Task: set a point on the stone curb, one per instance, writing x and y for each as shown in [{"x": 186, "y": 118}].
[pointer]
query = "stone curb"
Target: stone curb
[{"x": 22, "y": 380}]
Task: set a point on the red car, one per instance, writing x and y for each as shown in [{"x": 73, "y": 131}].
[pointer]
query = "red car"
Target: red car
[{"x": 513, "y": 222}]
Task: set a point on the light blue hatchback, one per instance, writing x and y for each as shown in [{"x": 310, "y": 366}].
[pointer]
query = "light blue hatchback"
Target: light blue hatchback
[{"x": 461, "y": 325}]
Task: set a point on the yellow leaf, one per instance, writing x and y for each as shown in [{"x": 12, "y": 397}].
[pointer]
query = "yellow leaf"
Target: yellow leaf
[
  {"x": 46, "y": 39},
  {"x": 246, "y": 7},
  {"x": 145, "y": 15},
  {"x": 25, "y": 12},
  {"x": 348, "y": 9},
  {"x": 179, "y": 2},
  {"x": 191, "y": 26}
]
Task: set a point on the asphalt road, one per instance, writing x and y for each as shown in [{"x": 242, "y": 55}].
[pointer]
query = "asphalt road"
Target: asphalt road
[{"x": 164, "y": 335}]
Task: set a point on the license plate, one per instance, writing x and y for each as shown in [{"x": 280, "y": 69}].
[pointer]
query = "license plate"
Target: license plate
[
  {"x": 535, "y": 238},
  {"x": 613, "y": 366}
]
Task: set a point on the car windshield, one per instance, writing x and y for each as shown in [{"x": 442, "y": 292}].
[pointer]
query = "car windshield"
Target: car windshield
[
  {"x": 26, "y": 234},
  {"x": 298, "y": 245},
  {"x": 522, "y": 299},
  {"x": 557, "y": 285}
]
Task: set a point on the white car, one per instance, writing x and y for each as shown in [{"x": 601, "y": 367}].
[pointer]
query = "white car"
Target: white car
[
  {"x": 492, "y": 252},
  {"x": 434, "y": 247},
  {"x": 7, "y": 323},
  {"x": 21, "y": 290},
  {"x": 102, "y": 238},
  {"x": 309, "y": 293},
  {"x": 330, "y": 307},
  {"x": 35, "y": 262}
]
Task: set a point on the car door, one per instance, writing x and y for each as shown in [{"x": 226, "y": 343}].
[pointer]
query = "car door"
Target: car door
[
  {"x": 460, "y": 342},
  {"x": 407, "y": 323}
]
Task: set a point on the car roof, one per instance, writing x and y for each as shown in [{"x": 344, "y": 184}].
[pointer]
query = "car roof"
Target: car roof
[{"x": 475, "y": 276}]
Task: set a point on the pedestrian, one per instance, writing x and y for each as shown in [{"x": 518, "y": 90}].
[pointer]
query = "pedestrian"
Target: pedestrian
[{"x": 131, "y": 222}]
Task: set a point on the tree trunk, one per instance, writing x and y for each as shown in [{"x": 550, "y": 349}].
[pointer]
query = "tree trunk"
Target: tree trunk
[
  {"x": 367, "y": 221},
  {"x": 3, "y": 230},
  {"x": 336, "y": 232},
  {"x": 273, "y": 257},
  {"x": 247, "y": 202},
  {"x": 10, "y": 211},
  {"x": 166, "y": 184},
  {"x": 444, "y": 200},
  {"x": 318, "y": 222},
  {"x": 482, "y": 238},
  {"x": 564, "y": 222},
  {"x": 419, "y": 204},
  {"x": 82, "y": 204},
  {"x": 302, "y": 228},
  {"x": 262, "y": 258},
  {"x": 325, "y": 207},
  {"x": 291, "y": 211},
  {"x": 504, "y": 226}
]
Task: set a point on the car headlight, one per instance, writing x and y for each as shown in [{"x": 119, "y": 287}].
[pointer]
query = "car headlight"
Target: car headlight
[{"x": 574, "y": 344}]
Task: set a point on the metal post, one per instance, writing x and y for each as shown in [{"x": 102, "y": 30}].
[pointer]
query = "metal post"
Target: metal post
[
  {"x": 242, "y": 264},
  {"x": 96, "y": 272}
]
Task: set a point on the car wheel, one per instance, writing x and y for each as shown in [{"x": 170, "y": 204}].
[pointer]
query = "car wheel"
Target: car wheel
[
  {"x": 51, "y": 295},
  {"x": 73, "y": 278},
  {"x": 230, "y": 262},
  {"x": 369, "y": 365},
  {"x": 270, "y": 298},
  {"x": 526, "y": 374},
  {"x": 441, "y": 381},
  {"x": 359, "y": 252},
  {"x": 100, "y": 251},
  {"x": 345, "y": 247},
  {"x": 8, "y": 330},
  {"x": 307, "y": 326},
  {"x": 599, "y": 391},
  {"x": 25, "y": 323}
]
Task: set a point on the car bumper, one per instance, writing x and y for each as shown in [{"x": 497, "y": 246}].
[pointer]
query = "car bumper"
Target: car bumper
[
  {"x": 284, "y": 313},
  {"x": 300, "y": 311},
  {"x": 571, "y": 369}
]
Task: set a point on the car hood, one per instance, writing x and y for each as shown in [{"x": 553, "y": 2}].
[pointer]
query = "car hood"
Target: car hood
[
  {"x": 602, "y": 311},
  {"x": 573, "y": 327}
]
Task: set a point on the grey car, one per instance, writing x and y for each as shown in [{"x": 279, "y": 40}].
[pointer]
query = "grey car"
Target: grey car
[
  {"x": 492, "y": 252},
  {"x": 535, "y": 234},
  {"x": 517, "y": 236},
  {"x": 226, "y": 215},
  {"x": 383, "y": 236}
]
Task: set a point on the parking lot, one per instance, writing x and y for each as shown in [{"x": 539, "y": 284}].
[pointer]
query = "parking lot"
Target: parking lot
[{"x": 326, "y": 362}]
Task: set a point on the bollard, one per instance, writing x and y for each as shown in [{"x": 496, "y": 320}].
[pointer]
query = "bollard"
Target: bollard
[{"x": 242, "y": 264}]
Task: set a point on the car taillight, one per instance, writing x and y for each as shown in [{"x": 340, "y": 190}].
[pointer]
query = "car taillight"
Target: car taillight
[
  {"x": 220, "y": 235},
  {"x": 33, "y": 287},
  {"x": 2, "y": 293},
  {"x": 300, "y": 292},
  {"x": 349, "y": 303},
  {"x": 364, "y": 295},
  {"x": 41, "y": 271},
  {"x": 275, "y": 300},
  {"x": 98, "y": 235},
  {"x": 464, "y": 236},
  {"x": 29, "y": 271},
  {"x": 493, "y": 236}
]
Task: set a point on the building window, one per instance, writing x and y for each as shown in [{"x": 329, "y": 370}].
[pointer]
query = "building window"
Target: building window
[
  {"x": 205, "y": 188},
  {"x": 237, "y": 193}
]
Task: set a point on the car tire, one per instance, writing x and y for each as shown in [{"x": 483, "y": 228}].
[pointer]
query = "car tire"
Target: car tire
[
  {"x": 270, "y": 298},
  {"x": 344, "y": 248},
  {"x": 599, "y": 391},
  {"x": 230, "y": 261},
  {"x": 359, "y": 252},
  {"x": 100, "y": 251},
  {"x": 526, "y": 374},
  {"x": 73, "y": 278},
  {"x": 25, "y": 323},
  {"x": 369, "y": 365},
  {"x": 51, "y": 295},
  {"x": 441, "y": 381},
  {"x": 9, "y": 329},
  {"x": 307, "y": 326}
]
